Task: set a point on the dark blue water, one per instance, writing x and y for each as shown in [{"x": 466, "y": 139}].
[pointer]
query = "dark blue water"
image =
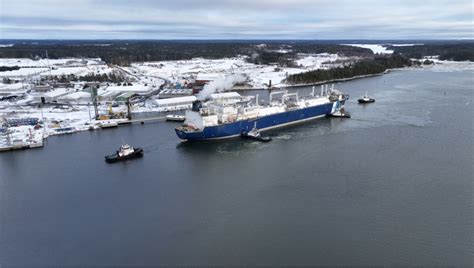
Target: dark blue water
[{"x": 391, "y": 186}]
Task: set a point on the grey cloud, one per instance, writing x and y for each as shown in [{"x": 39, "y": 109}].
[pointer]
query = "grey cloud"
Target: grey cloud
[{"x": 208, "y": 19}]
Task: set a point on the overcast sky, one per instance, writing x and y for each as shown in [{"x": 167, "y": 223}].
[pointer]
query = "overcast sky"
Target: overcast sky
[{"x": 242, "y": 19}]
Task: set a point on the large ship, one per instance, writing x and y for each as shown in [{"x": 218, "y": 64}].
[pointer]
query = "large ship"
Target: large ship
[{"x": 227, "y": 118}]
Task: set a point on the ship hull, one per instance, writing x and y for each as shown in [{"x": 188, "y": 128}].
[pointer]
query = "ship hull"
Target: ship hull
[{"x": 234, "y": 129}]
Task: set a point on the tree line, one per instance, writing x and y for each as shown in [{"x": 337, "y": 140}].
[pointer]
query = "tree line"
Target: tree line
[
  {"x": 125, "y": 52},
  {"x": 9, "y": 68},
  {"x": 378, "y": 64},
  {"x": 273, "y": 58},
  {"x": 456, "y": 51},
  {"x": 91, "y": 77}
]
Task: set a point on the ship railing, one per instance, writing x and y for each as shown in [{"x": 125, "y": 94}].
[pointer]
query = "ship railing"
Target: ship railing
[
  {"x": 288, "y": 96},
  {"x": 206, "y": 111},
  {"x": 275, "y": 93}
]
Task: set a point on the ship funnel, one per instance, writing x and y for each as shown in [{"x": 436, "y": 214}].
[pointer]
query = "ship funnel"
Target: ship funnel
[{"x": 197, "y": 104}]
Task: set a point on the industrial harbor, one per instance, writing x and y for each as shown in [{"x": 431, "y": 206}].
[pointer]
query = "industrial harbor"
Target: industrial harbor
[
  {"x": 356, "y": 181},
  {"x": 250, "y": 133},
  {"x": 50, "y": 92}
]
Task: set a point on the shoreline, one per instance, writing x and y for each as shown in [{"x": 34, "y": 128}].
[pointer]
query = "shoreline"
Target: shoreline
[
  {"x": 332, "y": 80},
  {"x": 340, "y": 79},
  {"x": 243, "y": 89},
  {"x": 346, "y": 79},
  {"x": 353, "y": 77},
  {"x": 315, "y": 83}
]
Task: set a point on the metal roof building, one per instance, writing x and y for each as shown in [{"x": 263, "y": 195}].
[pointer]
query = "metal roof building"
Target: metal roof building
[{"x": 188, "y": 100}]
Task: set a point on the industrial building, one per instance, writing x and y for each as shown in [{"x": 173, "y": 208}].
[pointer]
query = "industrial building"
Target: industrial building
[
  {"x": 137, "y": 89},
  {"x": 53, "y": 96},
  {"x": 175, "y": 103},
  {"x": 125, "y": 96},
  {"x": 172, "y": 93},
  {"x": 76, "y": 97},
  {"x": 16, "y": 89},
  {"x": 122, "y": 93},
  {"x": 42, "y": 88},
  {"x": 107, "y": 95}
]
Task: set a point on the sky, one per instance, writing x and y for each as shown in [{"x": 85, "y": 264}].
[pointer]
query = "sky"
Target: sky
[{"x": 242, "y": 19}]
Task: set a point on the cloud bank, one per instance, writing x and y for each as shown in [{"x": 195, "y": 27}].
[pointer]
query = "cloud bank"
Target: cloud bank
[{"x": 243, "y": 19}]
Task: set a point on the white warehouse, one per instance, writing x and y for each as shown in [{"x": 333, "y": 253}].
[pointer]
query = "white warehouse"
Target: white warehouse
[
  {"x": 76, "y": 97},
  {"x": 172, "y": 104}
]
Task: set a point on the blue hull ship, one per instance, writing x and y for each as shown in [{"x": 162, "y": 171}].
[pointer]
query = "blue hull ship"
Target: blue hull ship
[{"x": 229, "y": 119}]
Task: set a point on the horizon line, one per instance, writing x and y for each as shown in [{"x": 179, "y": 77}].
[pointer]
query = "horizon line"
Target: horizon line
[{"x": 238, "y": 39}]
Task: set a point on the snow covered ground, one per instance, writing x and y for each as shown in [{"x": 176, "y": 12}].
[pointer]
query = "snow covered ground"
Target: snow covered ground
[
  {"x": 380, "y": 48},
  {"x": 376, "y": 49},
  {"x": 157, "y": 73},
  {"x": 45, "y": 71},
  {"x": 48, "y": 62},
  {"x": 23, "y": 72},
  {"x": 18, "y": 87},
  {"x": 258, "y": 75},
  {"x": 316, "y": 61},
  {"x": 54, "y": 67}
]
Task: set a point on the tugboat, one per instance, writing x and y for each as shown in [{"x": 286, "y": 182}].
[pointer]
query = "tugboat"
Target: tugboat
[
  {"x": 255, "y": 134},
  {"x": 366, "y": 99},
  {"x": 125, "y": 152}
]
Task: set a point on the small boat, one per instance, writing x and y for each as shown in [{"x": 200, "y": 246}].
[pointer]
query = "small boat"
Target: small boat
[
  {"x": 108, "y": 124},
  {"x": 255, "y": 134},
  {"x": 65, "y": 130},
  {"x": 125, "y": 152},
  {"x": 93, "y": 127},
  {"x": 175, "y": 118},
  {"x": 366, "y": 99}
]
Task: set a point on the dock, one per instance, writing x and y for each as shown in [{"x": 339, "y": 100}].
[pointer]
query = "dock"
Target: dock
[
  {"x": 21, "y": 146},
  {"x": 39, "y": 141}
]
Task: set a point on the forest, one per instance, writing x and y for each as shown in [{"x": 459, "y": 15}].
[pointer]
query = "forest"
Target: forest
[
  {"x": 9, "y": 68},
  {"x": 463, "y": 51},
  {"x": 378, "y": 64},
  {"x": 125, "y": 52},
  {"x": 91, "y": 77}
]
